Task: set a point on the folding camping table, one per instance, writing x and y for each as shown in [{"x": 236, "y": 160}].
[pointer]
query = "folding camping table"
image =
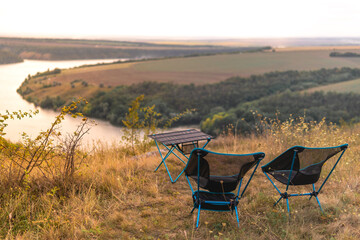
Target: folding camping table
[{"x": 182, "y": 141}]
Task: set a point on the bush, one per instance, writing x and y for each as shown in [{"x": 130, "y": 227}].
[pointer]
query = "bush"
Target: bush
[{"x": 39, "y": 155}]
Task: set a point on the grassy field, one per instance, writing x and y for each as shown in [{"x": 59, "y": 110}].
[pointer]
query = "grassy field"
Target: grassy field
[
  {"x": 344, "y": 87},
  {"x": 197, "y": 70},
  {"x": 246, "y": 64},
  {"x": 210, "y": 69},
  {"x": 117, "y": 196}
]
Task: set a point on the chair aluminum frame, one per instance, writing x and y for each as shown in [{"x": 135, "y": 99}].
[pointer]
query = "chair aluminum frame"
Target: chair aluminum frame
[
  {"x": 196, "y": 194},
  {"x": 285, "y": 195}
]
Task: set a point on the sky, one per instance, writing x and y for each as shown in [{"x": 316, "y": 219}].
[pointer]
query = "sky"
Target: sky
[{"x": 185, "y": 19}]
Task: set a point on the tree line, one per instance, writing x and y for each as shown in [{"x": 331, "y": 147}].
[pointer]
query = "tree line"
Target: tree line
[
  {"x": 334, "y": 107},
  {"x": 346, "y": 54}
]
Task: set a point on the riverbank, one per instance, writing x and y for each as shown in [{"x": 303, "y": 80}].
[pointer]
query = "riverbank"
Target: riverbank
[{"x": 12, "y": 75}]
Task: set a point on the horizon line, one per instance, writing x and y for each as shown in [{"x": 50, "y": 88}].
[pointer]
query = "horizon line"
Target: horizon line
[{"x": 170, "y": 38}]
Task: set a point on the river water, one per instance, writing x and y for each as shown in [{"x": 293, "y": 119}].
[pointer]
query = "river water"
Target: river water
[{"x": 11, "y": 77}]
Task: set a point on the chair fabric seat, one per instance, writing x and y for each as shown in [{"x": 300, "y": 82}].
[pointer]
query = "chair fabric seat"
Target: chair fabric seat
[
  {"x": 302, "y": 166},
  {"x": 224, "y": 201},
  {"x": 222, "y": 183},
  {"x": 296, "y": 178},
  {"x": 218, "y": 183}
]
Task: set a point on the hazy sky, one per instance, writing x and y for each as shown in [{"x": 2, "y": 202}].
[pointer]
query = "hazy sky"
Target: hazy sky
[{"x": 180, "y": 19}]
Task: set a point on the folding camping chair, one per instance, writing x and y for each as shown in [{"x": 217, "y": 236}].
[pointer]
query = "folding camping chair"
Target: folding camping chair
[
  {"x": 301, "y": 166},
  {"x": 219, "y": 174}
]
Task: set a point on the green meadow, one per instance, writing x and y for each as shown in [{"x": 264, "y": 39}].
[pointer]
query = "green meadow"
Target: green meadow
[{"x": 343, "y": 87}]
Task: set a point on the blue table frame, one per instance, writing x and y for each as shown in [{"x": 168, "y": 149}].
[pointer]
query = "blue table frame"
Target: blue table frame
[{"x": 179, "y": 141}]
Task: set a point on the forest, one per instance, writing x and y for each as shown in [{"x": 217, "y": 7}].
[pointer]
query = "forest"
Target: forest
[{"x": 340, "y": 108}]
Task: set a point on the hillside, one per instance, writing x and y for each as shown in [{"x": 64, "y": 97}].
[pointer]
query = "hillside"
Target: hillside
[
  {"x": 114, "y": 195},
  {"x": 216, "y": 105},
  {"x": 196, "y": 70}
]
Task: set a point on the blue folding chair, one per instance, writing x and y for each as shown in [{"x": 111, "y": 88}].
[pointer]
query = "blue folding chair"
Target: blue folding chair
[
  {"x": 219, "y": 174},
  {"x": 301, "y": 166}
]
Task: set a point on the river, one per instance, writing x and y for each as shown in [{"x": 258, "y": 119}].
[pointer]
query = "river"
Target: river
[{"x": 11, "y": 77}]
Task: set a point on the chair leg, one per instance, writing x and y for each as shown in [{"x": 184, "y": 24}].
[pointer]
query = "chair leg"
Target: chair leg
[
  {"x": 313, "y": 186},
  {"x": 317, "y": 199},
  {"x": 192, "y": 210},
  {"x": 278, "y": 201},
  {"x": 287, "y": 204},
  {"x": 237, "y": 216},
  {"x": 198, "y": 216}
]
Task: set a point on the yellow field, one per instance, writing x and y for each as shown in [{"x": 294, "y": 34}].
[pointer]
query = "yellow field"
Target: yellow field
[{"x": 208, "y": 69}]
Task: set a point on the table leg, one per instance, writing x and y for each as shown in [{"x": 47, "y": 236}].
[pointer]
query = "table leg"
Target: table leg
[{"x": 164, "y": 158}]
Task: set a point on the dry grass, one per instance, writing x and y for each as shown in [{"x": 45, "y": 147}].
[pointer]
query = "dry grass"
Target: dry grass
[{"x": 115, "y": 196}]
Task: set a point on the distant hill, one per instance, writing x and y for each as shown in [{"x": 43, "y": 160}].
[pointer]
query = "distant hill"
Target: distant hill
[
  {"x": 70, "y": 49},
  {"x": 274, "y": 42}
]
